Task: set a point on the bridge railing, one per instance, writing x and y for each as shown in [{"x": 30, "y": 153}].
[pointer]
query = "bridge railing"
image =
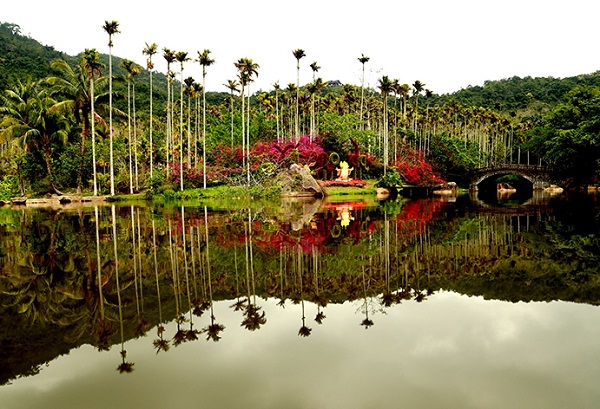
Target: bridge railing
[{"x": 516, "y": 167}]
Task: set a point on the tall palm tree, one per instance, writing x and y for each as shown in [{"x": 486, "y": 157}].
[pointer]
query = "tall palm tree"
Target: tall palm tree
[
  {"x": 131, "y": 68},
  {"x": 298, "y": 54},
  {"x": 205, "y": 60},
  {"x": 31, "y": 120},
  {"x": 150, "y": 50},
  {"x": 182, "y": 57},
  {"x": 247, "y": 68},
  {"x": 404, "y": 92},
  {"x": 232, "y": 85},
  {"x": 189, "y": 91},
  {"x": 277, "y": 88},
  {"x": 111, "y": 28},
  {"x": 91, "y": 62},
  {"x": 385, "y": 86},
  {"x": 314, "y": 68},
  {"x": 197, "y": 91},
  {"x": 418, "y": 87},
  {"x": 169, "y": 56},
  {"x": 363, "y": 60},
  {"x": 72, "y": 86}
]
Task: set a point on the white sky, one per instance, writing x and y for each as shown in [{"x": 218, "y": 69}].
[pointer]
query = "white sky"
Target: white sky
[{"x": 446, "y": 44}]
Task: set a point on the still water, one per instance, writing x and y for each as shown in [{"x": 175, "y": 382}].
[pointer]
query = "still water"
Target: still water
[{"x": 424, "y": 303}]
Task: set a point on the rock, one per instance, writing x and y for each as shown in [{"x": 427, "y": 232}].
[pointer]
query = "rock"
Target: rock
[{"x": 297, "y": 181}]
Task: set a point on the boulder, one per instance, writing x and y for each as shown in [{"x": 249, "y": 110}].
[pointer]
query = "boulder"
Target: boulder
[{"x": 297, "y": 181}]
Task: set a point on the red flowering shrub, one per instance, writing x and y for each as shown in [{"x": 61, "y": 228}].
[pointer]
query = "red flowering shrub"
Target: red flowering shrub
[
  {"x": 415, "y": 169},
  {"x": 304, "y": 152}
]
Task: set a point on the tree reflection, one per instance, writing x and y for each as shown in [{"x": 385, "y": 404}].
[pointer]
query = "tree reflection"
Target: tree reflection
[
  {"x": 51, "y": 278},
  {"x": 124, "y": 366},
  {"x": 214, "y": 329},
  {"x": 253, "y": 317},
  {"x": 161, "y": 344}
]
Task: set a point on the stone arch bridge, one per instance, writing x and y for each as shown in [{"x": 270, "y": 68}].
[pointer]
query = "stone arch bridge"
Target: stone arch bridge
[{"x": 539, "y": 176}]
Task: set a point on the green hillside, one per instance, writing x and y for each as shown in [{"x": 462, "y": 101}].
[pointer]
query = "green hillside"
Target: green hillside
[{"x": 526, "y": 95}]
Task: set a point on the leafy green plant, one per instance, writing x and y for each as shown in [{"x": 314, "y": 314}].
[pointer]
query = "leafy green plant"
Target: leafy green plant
[{"x": 391, "y": 179}]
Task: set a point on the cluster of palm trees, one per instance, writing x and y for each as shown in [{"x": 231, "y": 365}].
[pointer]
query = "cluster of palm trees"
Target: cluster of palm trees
[{"x": 381, "y": 121}]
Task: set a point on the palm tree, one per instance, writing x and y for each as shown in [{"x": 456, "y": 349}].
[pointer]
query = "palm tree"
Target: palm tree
[
  {"x": 31, "y": 119},
  {"x": 314, "y": 68},
  {"x": 298, "y": 54},
  {"x": 189, "y": 90},
  {"x": 182, "y": 57},
  {"x": 205, "y": 61},
  {"x": 150, "y": 50},
  {"x": 169, "y": 56},
  {"x": 91, "y": 61},
  {"x": 385, "y": 86},
  {"x": 111, "y": 28},
  {"x": 197, "y": 91},
  {"x": 131, "y": 68},
  {"x": 404, "y": 92},
  {"x": 363, "y": 60},
  {"x": 246, "y": 68},
  {"x": 232, "y": 85},
  {"x": 277, "y": 88},
  {"x": 418, "y": 87},
  {"x": 77, "y": 97}
]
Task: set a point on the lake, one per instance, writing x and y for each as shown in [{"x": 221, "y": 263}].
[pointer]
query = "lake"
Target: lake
[{"x": 421, "y": 303}]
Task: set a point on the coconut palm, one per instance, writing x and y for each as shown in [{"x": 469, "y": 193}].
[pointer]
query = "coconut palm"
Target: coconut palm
[
  {"x": 111, "y": 28},
  {"x": 298, "y": 54},
  {"x": 150, "y": 50},
  {"x": 182, "y": 57},
  {"x": 363, "y": 60},
  {"x": 205, "y": 61},
  {"x": 30, "y": 119}
]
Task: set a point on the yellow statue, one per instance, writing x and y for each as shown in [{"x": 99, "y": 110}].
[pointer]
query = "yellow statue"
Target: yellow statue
[{"x": 343, "y": 172}]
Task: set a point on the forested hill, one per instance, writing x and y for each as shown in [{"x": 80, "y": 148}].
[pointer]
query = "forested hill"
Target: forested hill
[
  {"x": 23, "y": 57},
  {"x": 519, "y": 94}
]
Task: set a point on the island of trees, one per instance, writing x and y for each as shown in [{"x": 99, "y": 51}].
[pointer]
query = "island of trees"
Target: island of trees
[{"x": 98, "y": 124}]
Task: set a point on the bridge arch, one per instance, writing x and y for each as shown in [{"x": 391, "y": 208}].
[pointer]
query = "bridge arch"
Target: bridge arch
[{"x": 539, "y": 176}]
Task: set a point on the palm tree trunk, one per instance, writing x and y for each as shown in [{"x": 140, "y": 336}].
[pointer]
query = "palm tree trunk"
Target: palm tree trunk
[
  {"x": 110, "y": 131},
  {"x": 151, "y": 127},
  {"x": 129, "y": 136},
  {"x": 93, "y": 137},
  {"x": 84, "y": 129},
  {"x": 135, "y": 153},
  {"x": 47, "y": 157},
  {"x": 203, "y": 131}
]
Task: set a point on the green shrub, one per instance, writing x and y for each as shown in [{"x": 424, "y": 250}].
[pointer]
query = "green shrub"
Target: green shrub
[
  {"x": 9, "y": 187},
  {"x": 391, "y": 179}
]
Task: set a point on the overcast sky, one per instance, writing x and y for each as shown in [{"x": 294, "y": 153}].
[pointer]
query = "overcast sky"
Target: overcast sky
[{"x": 446, "y": 44}]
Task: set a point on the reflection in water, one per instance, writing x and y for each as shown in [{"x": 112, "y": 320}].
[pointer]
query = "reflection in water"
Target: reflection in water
[{"x": 162, "y": 269}]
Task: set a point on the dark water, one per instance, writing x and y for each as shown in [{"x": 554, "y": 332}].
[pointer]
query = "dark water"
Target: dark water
[{"x": 425, "y": 303}]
